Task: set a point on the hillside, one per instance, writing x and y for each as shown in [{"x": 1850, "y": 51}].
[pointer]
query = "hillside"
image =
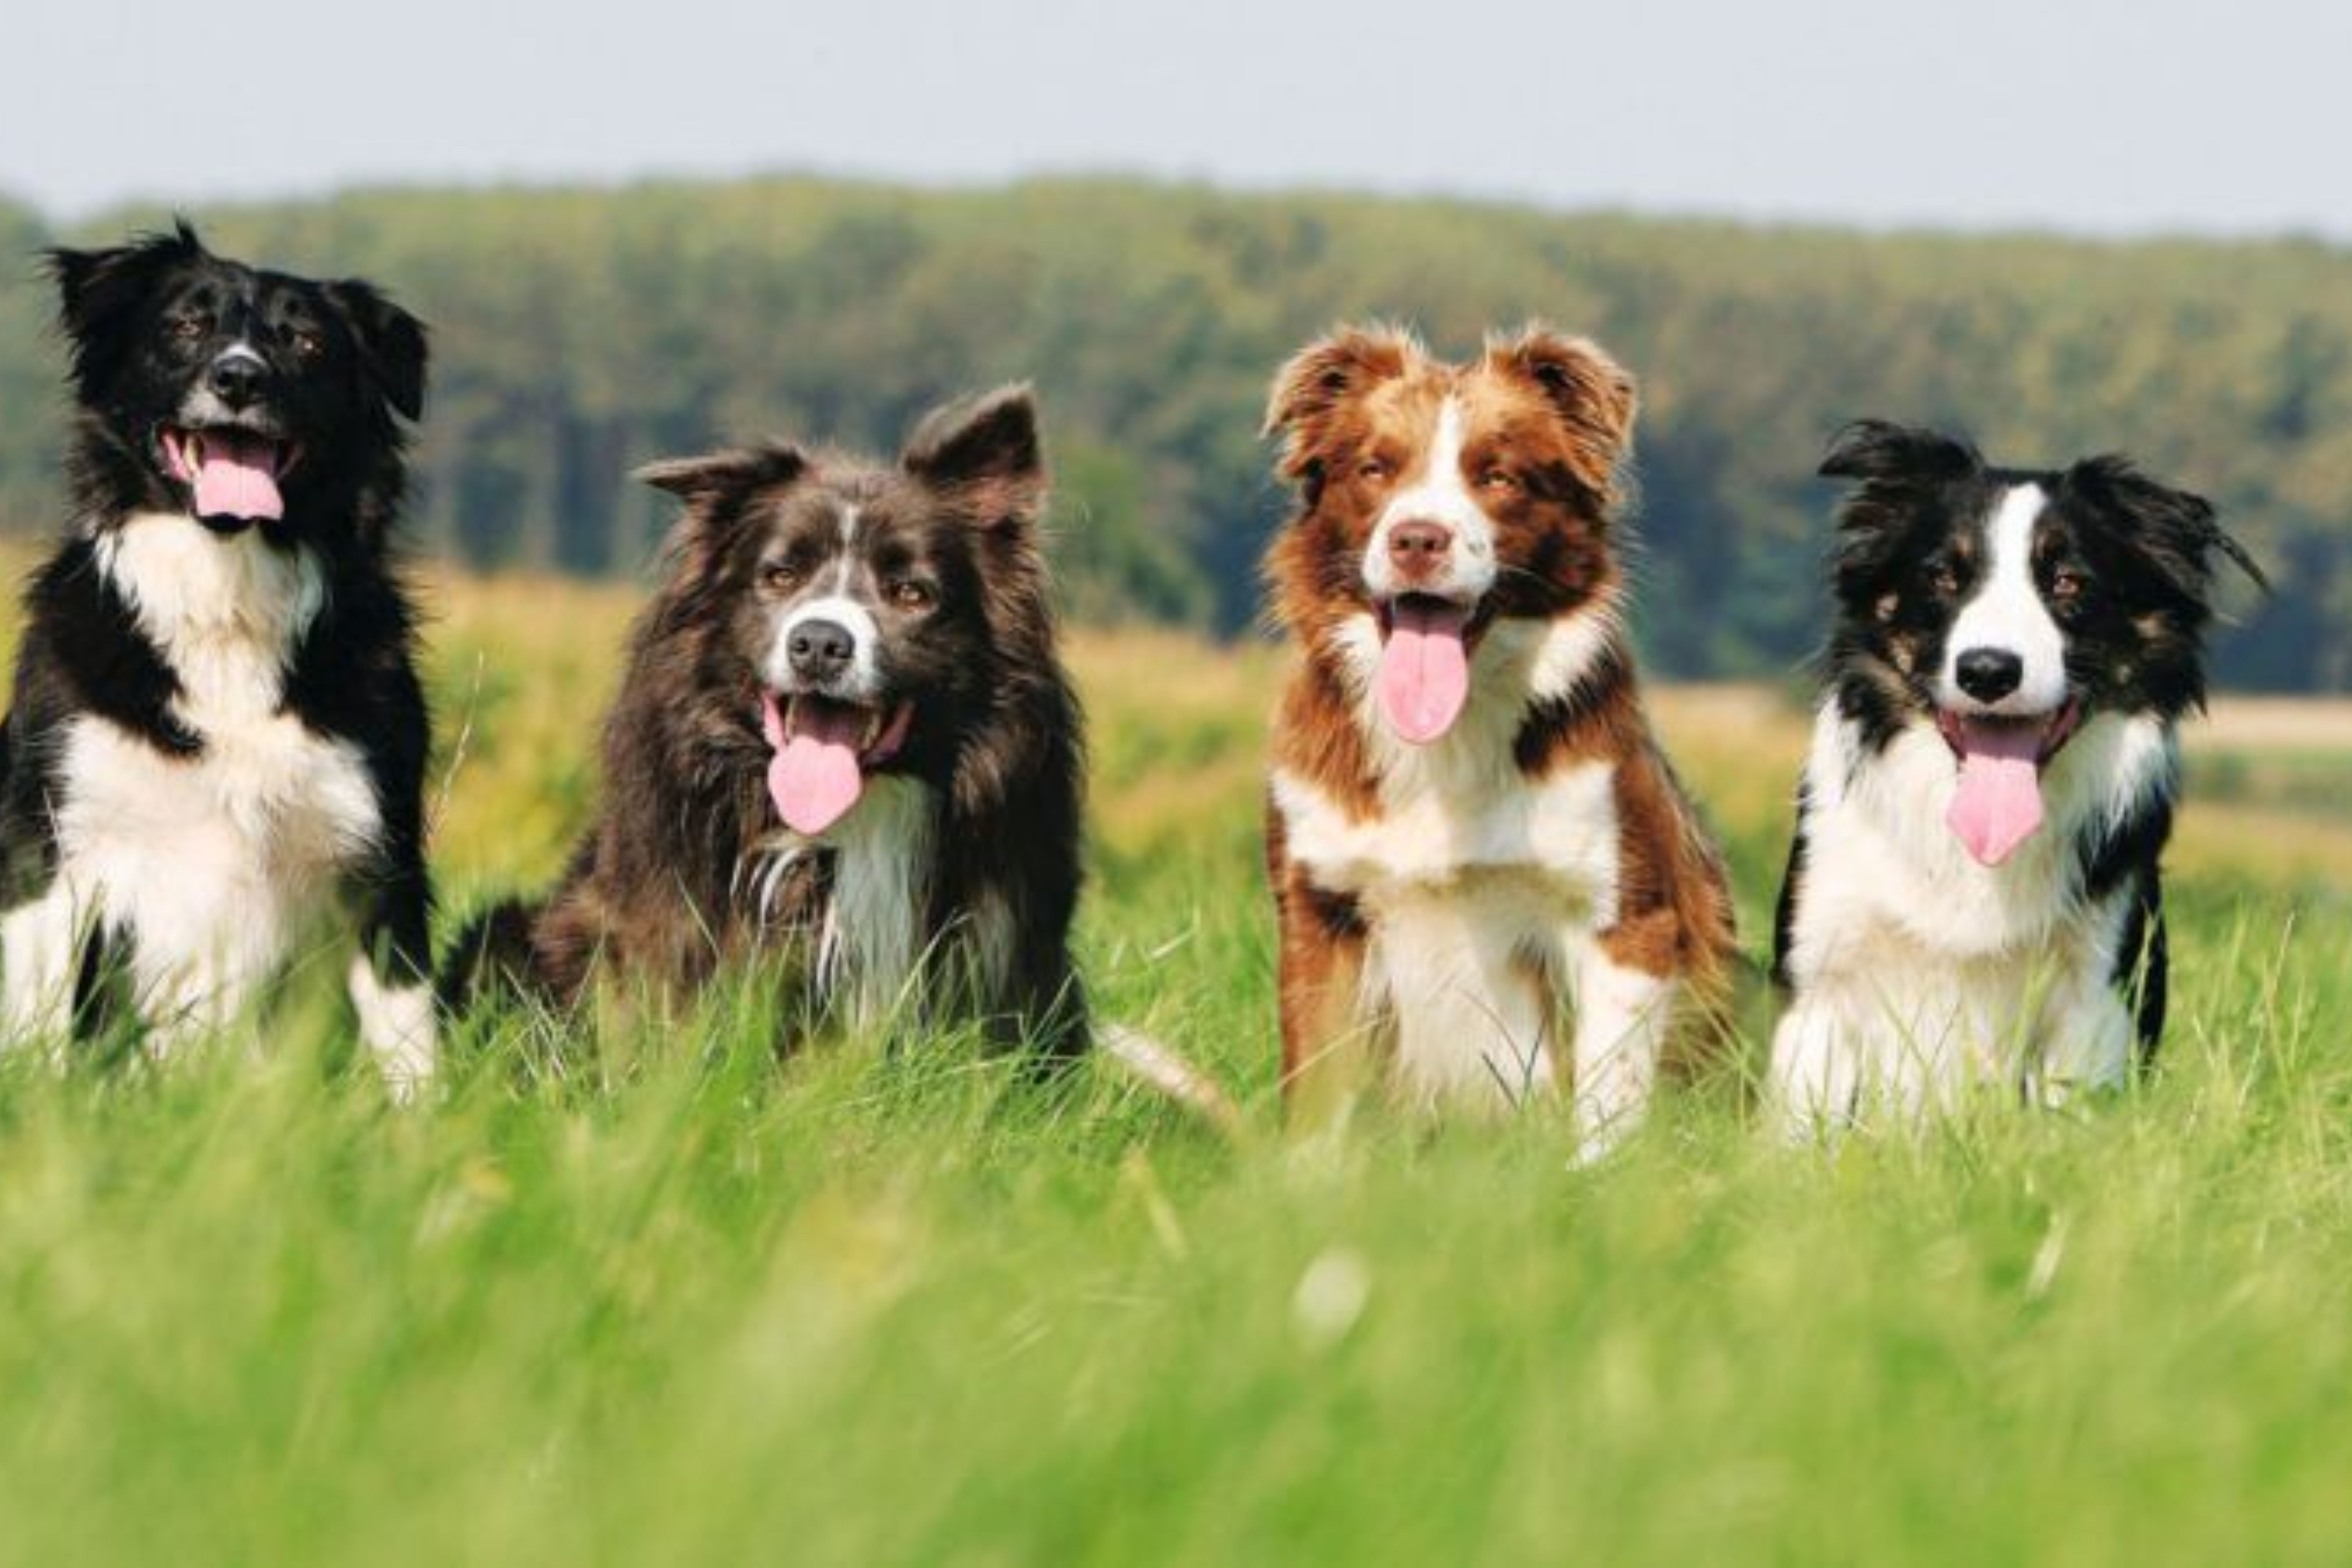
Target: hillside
[{"x": 581, "y": 331}]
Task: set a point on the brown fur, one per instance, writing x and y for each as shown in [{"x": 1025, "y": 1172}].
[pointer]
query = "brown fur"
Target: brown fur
[{"x": 1546, "y": 424}]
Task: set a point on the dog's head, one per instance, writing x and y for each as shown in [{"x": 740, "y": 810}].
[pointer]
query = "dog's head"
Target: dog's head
[
  {"x": 861, "y": 611},
  {"x": 1438, "y": 499},
  {"x": 2007, "y": 606},
  {"x": 239, "y": 396}
]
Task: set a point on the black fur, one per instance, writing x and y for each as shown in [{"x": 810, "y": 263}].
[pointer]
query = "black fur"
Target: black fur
[{"x": 338, "y": 368}]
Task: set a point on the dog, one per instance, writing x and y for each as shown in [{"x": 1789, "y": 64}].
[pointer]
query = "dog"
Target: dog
[
  {"x": 216, "y": 724},
  {"x": 1973, "y": 894},
  {"x": 844, "y": 748},
  {"x": 1468, "y": 816}
]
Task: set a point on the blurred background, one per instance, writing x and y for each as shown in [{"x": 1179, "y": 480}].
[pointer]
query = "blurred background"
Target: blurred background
[{"x": 637, "y": 231}]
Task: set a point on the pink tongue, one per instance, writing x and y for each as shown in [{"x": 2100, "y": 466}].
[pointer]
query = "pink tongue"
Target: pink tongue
[
  {"x": 814, "y": 777},
  {"x": 1999, "y": 805},
  {"x": 239, "y": 479},
  {"x": 1425, "y": 675}
]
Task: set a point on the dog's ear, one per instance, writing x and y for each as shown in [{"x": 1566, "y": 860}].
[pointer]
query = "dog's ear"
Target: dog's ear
[
  {"x": 721, "y": 478},
  {"x": 982, "y": 454},
  {"x": 715, "y": 487},
  {"x": 1591, "y": 394},
  {"x": 1894, "y": 467},
  {"x": 1879, "y": 451},
  {"x": 98, "y": 291},
  {"x": 391, "y": 342},
  {"x": 2172, "y": 532},
  {"x": 1319, "y": 379}
]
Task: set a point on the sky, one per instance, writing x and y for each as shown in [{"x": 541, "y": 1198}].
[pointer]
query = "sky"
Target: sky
[{"x": 2080, "y": 115}]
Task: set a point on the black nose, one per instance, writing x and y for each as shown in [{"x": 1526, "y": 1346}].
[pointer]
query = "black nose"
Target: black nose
[
  {"x": 820, "y": 650},
  {"x": 1989, "y": 674},
  {"x": 237, "y": 380}
]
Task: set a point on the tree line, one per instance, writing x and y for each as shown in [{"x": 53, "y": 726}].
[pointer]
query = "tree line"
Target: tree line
[{"x": 581, "y": 331}]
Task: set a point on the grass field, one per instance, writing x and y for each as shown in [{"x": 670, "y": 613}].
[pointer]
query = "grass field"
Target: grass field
[{"x": 677, "y": 1303}]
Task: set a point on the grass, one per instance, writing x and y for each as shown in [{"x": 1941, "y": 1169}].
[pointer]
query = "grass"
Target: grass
[{"x": 689, "y": 1304}]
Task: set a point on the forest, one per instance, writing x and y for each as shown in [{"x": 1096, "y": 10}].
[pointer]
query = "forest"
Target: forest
[{"x": 580, "y": 332}]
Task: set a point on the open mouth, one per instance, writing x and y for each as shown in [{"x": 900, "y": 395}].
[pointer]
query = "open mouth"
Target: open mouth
[
  {"x": 824, "y": 750},
  {"x": 1424, "y": 680},
  {"x": 1998, "y": 803},
  {"x": 233, "y": 474}
]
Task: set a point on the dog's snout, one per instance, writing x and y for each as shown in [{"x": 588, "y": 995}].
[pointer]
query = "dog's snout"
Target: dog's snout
[
  {"x": 1416, "y": 549},
  {"x": 820, "y": 650},
  {"x": 237, "y": 379},
  {"x": 1989, "y": 674}
]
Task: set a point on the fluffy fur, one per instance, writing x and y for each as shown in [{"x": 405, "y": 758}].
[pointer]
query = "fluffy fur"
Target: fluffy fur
[
  {"x": 909, "y": 601},
  {"x": 2065, "y": 610},
  {"x": 1439, "y": 900},
  {"x": 216, "y": 725}
]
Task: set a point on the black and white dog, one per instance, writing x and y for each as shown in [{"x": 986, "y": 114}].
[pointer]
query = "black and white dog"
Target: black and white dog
[
  {"x": 1973, "y": 896},
  {"x": 216, "y": 724}
]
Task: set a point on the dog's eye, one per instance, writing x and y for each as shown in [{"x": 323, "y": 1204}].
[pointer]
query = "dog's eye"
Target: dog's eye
[
  {"x": 909, "y": 595},
  {"x": 1946, "y": 580},
  {"x": 779, "y": 575},
  {"x": 1372, "y": 468},
  {"x": 2066, "y": 585},
  {"x": 188, "y": 329},
  {"x": 1500, "y": 480},
  {"x": 308, "y": 343}
]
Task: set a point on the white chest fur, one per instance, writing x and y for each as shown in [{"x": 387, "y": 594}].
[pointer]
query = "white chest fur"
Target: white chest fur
[
  {"x": 1884, "y": 868},
  {"x": 1918, "y": 972},
  {"x": 1482, "y": 887},
  {"x": 211, "y": 863},
  {"x": 870, "y": 944}
]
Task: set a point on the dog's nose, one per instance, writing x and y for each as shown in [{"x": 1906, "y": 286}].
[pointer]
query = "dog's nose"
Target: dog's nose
[
  {"x": 1989, "y": 674},
  {"x": 236, "y": 380},
  {"x": 820, "y": 650},
  {"x": 1416, "y": 549}
]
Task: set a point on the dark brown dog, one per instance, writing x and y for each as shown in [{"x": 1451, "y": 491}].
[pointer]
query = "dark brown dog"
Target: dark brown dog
[{"x": 845, "y": 744}]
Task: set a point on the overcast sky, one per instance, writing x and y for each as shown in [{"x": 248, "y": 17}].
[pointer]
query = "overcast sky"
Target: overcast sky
[{"x": 2080, "y": 114}]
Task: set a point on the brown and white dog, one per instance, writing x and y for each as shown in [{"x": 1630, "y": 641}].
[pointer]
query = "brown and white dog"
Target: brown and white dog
[{"x": 1469, "y": 819}]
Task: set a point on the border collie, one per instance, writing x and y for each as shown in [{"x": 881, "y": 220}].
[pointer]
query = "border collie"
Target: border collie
[
  {"x": 1469, "y": 816},
  {"x": 216, "y": 724},
  {"x": 844, "y": 744},
  {"x": 1973, "y": 896}
]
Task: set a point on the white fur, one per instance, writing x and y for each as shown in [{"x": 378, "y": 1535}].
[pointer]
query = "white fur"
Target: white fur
[
  {"x": 2007, "y": 614},
  {"x": 214, "y": 865},
  {"x": 870, "y": 947},
  {"x": 1485, "y": 891},
  {"x": 398, "y": 1027},
  {"x": 1622, "y": 1017},
  {"x": 1918, "y": 972},
  {"x": 871, "y": 942},
  {"x": 1438, "y": 496},
  {"x": 41, "y": 943}
]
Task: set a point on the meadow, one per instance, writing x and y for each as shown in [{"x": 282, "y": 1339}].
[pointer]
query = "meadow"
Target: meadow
[{"x": 659, "y": 1297}]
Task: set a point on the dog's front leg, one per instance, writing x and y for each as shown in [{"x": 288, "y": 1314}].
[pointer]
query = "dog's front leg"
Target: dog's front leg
[
  {"x": 2088, "y": 1033},
  {"x": 1624, "y": 1012},
  {"x": 391, "y": 980},
  {"x": 1325, "y": 1039},
  {"x": 42, "y": 942}
]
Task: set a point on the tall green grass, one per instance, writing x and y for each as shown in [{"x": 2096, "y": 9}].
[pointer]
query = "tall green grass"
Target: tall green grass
[{"x": 671, "y": 1300}]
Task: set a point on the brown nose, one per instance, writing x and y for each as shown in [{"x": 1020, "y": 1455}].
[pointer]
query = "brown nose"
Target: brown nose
[{"x": 1417, "y": 549}]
